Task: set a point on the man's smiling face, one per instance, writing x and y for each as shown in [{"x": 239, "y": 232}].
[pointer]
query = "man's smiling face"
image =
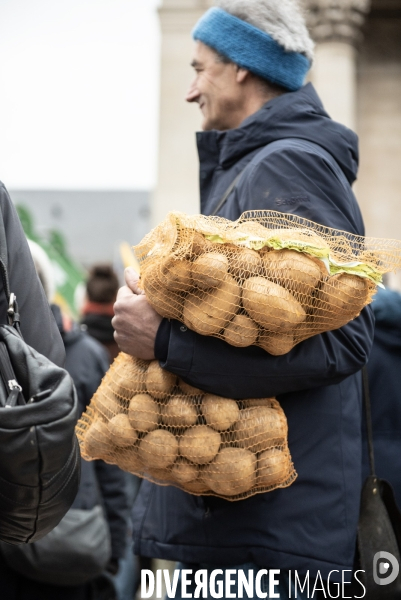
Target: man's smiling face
[{"x": 216, "y": 90}]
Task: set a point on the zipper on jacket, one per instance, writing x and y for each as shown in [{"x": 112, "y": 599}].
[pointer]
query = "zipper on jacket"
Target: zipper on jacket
[
  {"x": 16, "y": 389},
  {"x": 40, "y": 396},
  {"x": 8, "y": 376}
]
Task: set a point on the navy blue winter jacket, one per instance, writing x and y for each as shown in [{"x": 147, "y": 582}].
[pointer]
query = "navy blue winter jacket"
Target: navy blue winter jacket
[
  {"x": 384, "y": 368},
  {"x": 312, "y": 524}
]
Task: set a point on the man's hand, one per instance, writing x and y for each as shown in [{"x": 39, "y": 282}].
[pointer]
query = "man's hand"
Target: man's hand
[{"x": 135, "y": 321}]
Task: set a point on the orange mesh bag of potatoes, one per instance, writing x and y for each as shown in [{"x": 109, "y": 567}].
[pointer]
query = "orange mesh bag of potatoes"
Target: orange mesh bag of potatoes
[
  {"x": 151, "y": 423},
  {"x": 269, "y": 279}
]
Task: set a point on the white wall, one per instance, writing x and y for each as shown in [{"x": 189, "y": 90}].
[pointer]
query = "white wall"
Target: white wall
[{"x": 79, "y": 83}]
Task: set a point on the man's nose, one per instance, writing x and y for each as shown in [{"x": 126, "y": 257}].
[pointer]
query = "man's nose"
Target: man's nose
[{"x": 192, "y": 94}]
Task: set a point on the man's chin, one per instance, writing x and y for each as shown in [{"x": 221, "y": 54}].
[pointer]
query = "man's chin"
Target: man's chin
[{"x": 207, "y": 125}]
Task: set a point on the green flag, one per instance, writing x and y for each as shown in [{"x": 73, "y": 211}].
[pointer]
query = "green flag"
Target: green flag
[{"x": 69, "y": 276}]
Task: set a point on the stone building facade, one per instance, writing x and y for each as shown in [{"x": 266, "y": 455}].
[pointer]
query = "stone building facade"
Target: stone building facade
[{"x": 357, "y": 72}]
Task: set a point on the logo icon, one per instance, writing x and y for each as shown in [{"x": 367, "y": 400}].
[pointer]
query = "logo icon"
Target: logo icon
[{"x": 385, "y": 568}]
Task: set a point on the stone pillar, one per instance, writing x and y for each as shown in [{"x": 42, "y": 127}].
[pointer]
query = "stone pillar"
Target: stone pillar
[
  {"x": 177, "y": 186},
  {"x": 336, "y": 25}
]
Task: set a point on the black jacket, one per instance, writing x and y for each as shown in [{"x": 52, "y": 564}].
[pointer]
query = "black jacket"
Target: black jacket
[
  {"x": 385, "y": 391},
  {"x": 37, "y": 323},
  {"x": 312, "y": 524},
  {"x": 87, "y": 362}
]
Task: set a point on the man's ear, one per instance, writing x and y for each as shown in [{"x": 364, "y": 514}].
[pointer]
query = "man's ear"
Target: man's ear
[{"x": 242, "y": 74}]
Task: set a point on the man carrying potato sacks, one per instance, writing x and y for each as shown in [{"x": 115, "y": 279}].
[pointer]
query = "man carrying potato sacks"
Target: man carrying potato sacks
[{"x": 267, "y": 144}]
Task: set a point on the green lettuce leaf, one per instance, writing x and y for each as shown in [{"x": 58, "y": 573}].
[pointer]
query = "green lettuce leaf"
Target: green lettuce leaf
[{"x": 321, "y": 253}]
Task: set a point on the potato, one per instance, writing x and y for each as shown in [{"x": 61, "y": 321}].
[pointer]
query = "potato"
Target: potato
[
  {"x": 208, "y": 313},
  {"x": 220, "y": 413},
  {"x": 209, "y": 270},
  {"x": 188, "y": 389},
  {"x": 143, "y": 413},
  {"x": 271, "y": 305},
  {"x": 158, "y": 449},
  {"x": 160, "y": 475},
  {"x": 167, "y": 273},
  {"x": 196, "y": 315},
  {"x": 125, "y": 364},
  {"x": 340, "y": 299},
  {"x": 200, "y": 444},
  {"x": 198, "y": 486},
  {"x": 260, "y": 427},
  {"x": 243, "y": 262},
  {"x": 276, "y": 344},
  {"x": 264, "y": 251},
  {"x": 228, "y": 439},
  {"x": 200, "y": 245},
  {"x": 166, "y": 303},
  {"x": 241, "y": 331},
  {"x": 179, "y": 412},
  {"x": 126, "y": 388},
  {"x": 121, "y": 432},
  {"x": 273, "y": 467},
  {"x": 297, "y": 272},
  {"x": 254, "y": 228},
  {"x": 183, "y": 471},
  {"x": 128, "y": 460},
  {"x": 97, "y": 442},
  {"x": 175, "y": 275},
  {"x": 107, "y": 404},
  {"x": 159, "y": 382},
  {"x": 232, "y": 472},
  {"x": 129, "y": 377}
]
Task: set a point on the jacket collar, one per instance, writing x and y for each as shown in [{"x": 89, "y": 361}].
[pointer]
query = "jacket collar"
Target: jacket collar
[{"x": 294, "y": 114}]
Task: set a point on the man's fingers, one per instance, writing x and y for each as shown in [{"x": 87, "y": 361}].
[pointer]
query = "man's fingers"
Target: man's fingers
[
  {"x": 136, "y": 324},
  {"x": 132, "y": 280}
]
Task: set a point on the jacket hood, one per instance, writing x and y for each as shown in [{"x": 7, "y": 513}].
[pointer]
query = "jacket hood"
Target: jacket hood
[{"x": 297, "y": 114}]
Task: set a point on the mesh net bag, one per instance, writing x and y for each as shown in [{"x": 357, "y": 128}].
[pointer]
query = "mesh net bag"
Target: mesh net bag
[
  {"x": 269, "y": 279},
  {"x": 151, "y": 423}
]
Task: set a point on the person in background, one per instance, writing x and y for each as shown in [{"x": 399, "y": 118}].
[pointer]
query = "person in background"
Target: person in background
[
  {"x": 101, "y": 291},
  {"x": 86, "y": 361},
  {"x": 384, "y": 368}
]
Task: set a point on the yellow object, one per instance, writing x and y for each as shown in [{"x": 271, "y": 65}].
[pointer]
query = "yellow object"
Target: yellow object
[{"x": 128, "y": 257}]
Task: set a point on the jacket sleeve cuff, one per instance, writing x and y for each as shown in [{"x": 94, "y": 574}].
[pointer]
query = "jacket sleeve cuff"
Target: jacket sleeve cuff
[
  {"x": 162, "y": 340},
  {"x": 174, "y": 347}
]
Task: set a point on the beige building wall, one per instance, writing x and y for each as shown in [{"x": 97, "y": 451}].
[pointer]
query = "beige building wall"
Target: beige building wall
[
  {"x": 334, "y": 76},
  {"x": 379, "y": 126},
  {"x": 178, "y": 182}
]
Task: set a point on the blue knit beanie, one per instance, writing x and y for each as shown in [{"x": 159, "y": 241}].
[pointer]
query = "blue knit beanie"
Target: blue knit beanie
[{"x": 251, "y": 48}]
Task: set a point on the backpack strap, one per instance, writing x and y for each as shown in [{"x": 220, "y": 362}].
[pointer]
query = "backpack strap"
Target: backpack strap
[
  {"x": 12, "y": 311},
  {"x": 4, "y": 258}
]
